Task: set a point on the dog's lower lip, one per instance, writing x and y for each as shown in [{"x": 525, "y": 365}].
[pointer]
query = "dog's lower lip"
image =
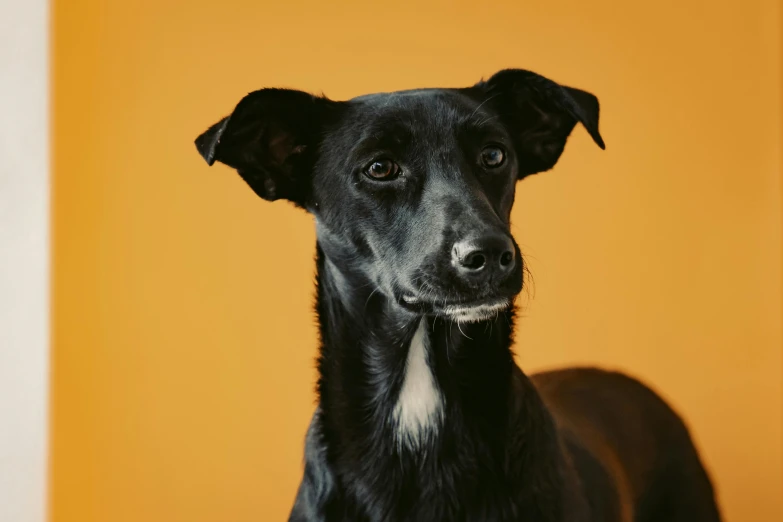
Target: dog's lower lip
[
  {"x": 495, "y": 302},
  {"x": 484, "y": 303}
]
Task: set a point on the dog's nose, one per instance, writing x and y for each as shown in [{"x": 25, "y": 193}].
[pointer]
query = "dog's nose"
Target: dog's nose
[{"x": 484, "y": 257}]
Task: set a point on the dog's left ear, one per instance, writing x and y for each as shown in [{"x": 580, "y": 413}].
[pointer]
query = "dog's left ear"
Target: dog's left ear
[
  {"x": 540, "y": 114},
  {"x": 271, "y": 140}
]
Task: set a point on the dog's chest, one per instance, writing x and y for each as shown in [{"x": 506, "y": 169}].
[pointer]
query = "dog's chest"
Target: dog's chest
[
  {"x": 478, "y": 499},
  {"x": 418, "y": 411},
  {"x": 444, "y": 478},
  {"x": 429, "y": 467}
]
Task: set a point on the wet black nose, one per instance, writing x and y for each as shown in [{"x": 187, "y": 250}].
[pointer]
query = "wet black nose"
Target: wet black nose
[{"x": 484, "y": 258}]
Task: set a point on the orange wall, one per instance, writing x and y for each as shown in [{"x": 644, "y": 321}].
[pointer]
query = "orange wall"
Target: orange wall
[{"x": 183, "y": 336}]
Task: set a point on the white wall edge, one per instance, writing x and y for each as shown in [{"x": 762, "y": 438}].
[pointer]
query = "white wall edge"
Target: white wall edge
[{"x": 24, "y": 259}]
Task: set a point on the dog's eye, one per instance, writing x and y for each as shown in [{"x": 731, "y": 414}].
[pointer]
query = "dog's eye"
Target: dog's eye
[
  {"x": 493, "y": 157},
  {"x": 382, "y": 169}
]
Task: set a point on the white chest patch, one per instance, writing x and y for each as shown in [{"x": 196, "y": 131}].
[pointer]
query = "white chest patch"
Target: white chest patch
[{"x": 420, "y": 404}]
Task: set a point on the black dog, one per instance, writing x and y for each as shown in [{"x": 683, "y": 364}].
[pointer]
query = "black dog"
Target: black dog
[{"x": 423, "y": 414}]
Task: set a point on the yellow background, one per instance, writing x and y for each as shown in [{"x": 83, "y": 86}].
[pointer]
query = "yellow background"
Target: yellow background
[{"x": 184, "y": 337}]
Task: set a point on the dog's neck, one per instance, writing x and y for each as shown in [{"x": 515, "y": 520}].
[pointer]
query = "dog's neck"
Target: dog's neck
[{"x": 389, "y": 376}]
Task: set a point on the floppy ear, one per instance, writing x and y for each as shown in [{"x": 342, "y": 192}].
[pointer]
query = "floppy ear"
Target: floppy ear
[
  {"x": 271, "y": 140},
  {"x": 540, "y": 115}
]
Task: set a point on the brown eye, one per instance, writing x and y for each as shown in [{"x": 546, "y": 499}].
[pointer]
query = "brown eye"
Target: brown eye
[
  {"x": 493, "y": 157},
  {"x": 382, "y": 169}
]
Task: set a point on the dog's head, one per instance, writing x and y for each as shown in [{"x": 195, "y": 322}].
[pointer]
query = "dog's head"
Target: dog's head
[{"x": 411, "y": 191}]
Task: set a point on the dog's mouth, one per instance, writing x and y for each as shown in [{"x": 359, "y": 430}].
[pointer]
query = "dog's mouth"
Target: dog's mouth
[{"x": 463, "y": 311}]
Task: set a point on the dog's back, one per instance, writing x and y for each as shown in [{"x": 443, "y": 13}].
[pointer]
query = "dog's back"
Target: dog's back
[{"x": 636, "y": 438}]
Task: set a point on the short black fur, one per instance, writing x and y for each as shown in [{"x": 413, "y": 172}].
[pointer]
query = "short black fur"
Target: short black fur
[{"x": 414, "y": 250}]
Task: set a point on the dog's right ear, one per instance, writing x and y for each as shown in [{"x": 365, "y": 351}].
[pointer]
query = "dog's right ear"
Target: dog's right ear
[{"x": 271, "y": 140}]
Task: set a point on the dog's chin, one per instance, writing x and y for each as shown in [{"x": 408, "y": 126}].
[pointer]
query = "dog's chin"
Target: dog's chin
[{"x": 466, "y": 312}]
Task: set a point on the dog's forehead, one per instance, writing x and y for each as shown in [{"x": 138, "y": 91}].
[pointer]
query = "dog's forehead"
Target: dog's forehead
[
  {"x": 433, "y": 101},
  {"x": 408, "y": 94},
  {"x": 416, "y": 109}
]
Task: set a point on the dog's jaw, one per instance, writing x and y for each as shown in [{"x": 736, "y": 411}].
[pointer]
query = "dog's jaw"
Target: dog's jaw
[{"x": 419, "y": 406}]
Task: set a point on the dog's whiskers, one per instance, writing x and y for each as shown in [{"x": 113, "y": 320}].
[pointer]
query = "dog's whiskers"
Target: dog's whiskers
[{"x": 367, "y": 302}]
